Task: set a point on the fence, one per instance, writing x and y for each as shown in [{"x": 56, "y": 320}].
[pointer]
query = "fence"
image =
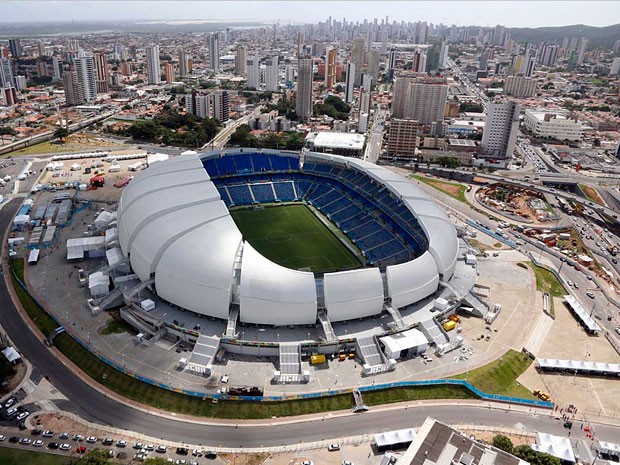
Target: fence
[{"x": 310, "y": 395}]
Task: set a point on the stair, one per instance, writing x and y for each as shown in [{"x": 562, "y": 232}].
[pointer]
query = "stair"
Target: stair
[
  {"x": 140, "y": 287},
  {"x": 233, "y": 316},
  {"x": 113, "y": 299},
  {"x": 395, "y": 314},
  {"x": 330, "y": 335},
  {"x": 359, "y": 402},
  {"x": 480, "y": 307},
  {"x": 290, "y": 365}
]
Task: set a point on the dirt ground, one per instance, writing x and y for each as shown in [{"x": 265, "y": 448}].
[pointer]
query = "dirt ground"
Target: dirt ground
[
  {"x": 487, "y": 436},
  {"x": 592, "y": 194},
  {"x": 244, "y": 459},
  {"x": 452, "y": 189},
  {"x": 20, "y": 372}
]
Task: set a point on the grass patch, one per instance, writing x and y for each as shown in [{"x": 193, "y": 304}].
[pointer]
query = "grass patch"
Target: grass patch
[
  {"x": 292, "y": 236},
  {"x": 591, "y": 194},
  {"x": 115, "y": 326},
  {"x": 500, "y": 376},
  {"x": 454, "y": 190},
  {"x": 547, "y": 282},
  {"x": 10, "y": 456}
]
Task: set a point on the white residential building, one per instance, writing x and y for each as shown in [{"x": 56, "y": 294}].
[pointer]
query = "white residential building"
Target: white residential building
[
  {"x": 253, "y": 71},
  {"x": 152, "y": 65},
  {"x": 271, "y": 74},
  {"x": 500, "y": 130},
  {"x": 520, "y": 86}
]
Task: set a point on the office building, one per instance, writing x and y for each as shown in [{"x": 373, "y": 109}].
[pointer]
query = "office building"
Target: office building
[
  {"x": 403, "y": 138},
  {"x": 15, "y": 46},
  {"x": 519, "y": 86},
  {"x": 422, "y": 99},
  {"x": 615, "y": 67},
  {"x": 214, "y": 52},
  {"x": 253, "y": 72},
  {"x": 330, "y": 67},
  {"x": 500, "y": 130},
  {"x": 373, "y": 65},
  {"x": 303, "y": 99},
  {"x": 553, "y": 125},
  {"x": 271, "y": 74},
  {"x": 73, "y": 94},
  {"x": 169, "y": 73},
  {"x": 101, "y": 73},
  {"x": 241, "y": 58},
  {"x": 84, "y": 66},
  {"x": 6, "y": 73},
  {"x": 57, "y": 68},
  {"x": 357, "y": 58},
  {"x": 350, "y": 80},
  {"x": 153, "y": 68},
  {"x": 183, "y": 68}
]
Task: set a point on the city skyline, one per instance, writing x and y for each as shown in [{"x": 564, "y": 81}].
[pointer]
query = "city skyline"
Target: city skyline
[{"x": 463, "y": 13}]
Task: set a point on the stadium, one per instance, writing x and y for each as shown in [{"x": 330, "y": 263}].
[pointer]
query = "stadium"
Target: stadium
[{"x": 283, "y": 239}]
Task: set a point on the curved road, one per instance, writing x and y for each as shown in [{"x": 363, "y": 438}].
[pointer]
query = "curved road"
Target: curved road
[{"x": 95, "y": 406}]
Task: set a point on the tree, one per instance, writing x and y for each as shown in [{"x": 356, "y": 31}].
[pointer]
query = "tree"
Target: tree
[
  {"x": 7, "y": 130},
  {"x": 61, "y": 134},
  {"x": 503, "y": 442},
  {"x": 528, "y": 454},
  {"x": 95, "y": 457},
  {"x": 144, "y": 130}
]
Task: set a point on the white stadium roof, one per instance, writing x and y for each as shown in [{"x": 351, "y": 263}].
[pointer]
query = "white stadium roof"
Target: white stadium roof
[
  {"x": 271, "y": 293},
  {"x": 173, "y": 226}
]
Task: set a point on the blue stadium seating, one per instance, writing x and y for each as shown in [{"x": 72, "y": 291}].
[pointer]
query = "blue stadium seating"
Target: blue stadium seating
[
  {"x": 240, "y": 195},
  {"x": 224, "y": 195},
  {"x": 263, "y": 193},
  {"x": 284, "y": 191}
]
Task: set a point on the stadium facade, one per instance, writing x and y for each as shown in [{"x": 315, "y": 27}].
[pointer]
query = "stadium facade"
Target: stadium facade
[{"x": 175, "y": 229}]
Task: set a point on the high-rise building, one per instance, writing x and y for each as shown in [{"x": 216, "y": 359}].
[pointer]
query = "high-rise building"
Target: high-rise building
[
  {"x": 84, "y": 66},
  {"x": 419, "y": 61},
  {"x": 549, "y": 55},
  {"x": 6, "y": 73},
  {"x": 615, "y": 67},
  {"x": 169, "y": 73},
  {"x": 15, "y": 46},
  {"x": 253, "y": 70},
  {"x": 422, "y": 99},
  {"x": 57, "y": 68},
  {"x": 41, "y": 48},
  {"x": 241, "y": 58},
  {"x": 350, "y": 80},
  {"x": 218, "y": 102},
  {"x": 529, "y": 66},
  {"x": 9, "y": 96},
  {"x": 358, "y": 51},
  {"x": 127, "y": 68},
  {"x": 42, "y": 68},
  {"x": 498, "y": 36},
  {"x": 520, "y": 86},
  {"x": 403, "y": 137},
  {"x": 271, "y": 74},
  {"x": 214, "y": 52},
  {"x": 21, "y": 82},
  {"x": 152, "y": 65},
  {"x": 583, "y": 47},
  {"x": 300, "y": 43},
  {"x": 182, "y": 63},
  {"x": 374, "y": 60},
  {"x": 330, "y": 67},
  {"x": 391, "y": 66},
  {"x": 197, "y": 105},
  {"x": 101, "y": 73},
  {"x": 72, "y": 89},
  {"x": 443, "y": 55},
  {"x": 500, "y": 130},
  {"x": 303, "y": 99}
]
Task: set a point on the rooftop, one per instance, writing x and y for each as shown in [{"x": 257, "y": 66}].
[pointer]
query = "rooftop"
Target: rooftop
[{"x": 345, "y": 140}]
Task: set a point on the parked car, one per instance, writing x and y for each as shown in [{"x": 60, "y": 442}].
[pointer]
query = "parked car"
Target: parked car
[
  {"x": 52, "y": 445},
  {"x": 38, "y": 443},
  {"x": 65, "y": 446},
  {"x": 333, "y": 447}
]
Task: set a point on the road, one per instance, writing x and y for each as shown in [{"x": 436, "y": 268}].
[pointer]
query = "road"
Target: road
[
  {"x": 375, "y": 140},
  {"x": 221, "y": 138},
  {"x": 95, "y": 406}
]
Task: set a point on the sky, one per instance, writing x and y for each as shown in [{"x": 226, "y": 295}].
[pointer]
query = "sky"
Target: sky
[{"x": 461, "y": 12}]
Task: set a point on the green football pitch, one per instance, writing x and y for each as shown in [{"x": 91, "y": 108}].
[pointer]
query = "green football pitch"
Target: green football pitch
[{"x": 292, "y": 236}]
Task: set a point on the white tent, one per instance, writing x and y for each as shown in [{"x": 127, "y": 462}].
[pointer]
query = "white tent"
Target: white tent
[
  {"x": 390, "y": 438},
  {"x": 104, "y": 219},
  {"x": 33, "y": 257},
  {"x": 557, "y": 446},
  {"x": 412, "y": 340},
  {"x": 98, "y": 284},
  {"x": 20, "y": 221},
  {"x": 608, "y": 448},
  {"x": 77, "y": 248},
  {"x": 579, "y": 366},
  {"x": 11, "y": 354},
  {"x": 581, "y": 313}
]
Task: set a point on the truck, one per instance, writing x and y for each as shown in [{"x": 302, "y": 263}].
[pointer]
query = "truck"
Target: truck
[
  {"x": 317, "y": 359},
  {"x": 449, "y": 325}
]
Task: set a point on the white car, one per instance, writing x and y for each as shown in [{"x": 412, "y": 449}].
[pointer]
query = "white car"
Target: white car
[
  {"x": 121, "y": 443},
  {"x": 333, "y": 447},
  {"x": 65, "y": 446},
  {"x": 91, "y": 439},
  {"x": 38, "y": 443}
]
